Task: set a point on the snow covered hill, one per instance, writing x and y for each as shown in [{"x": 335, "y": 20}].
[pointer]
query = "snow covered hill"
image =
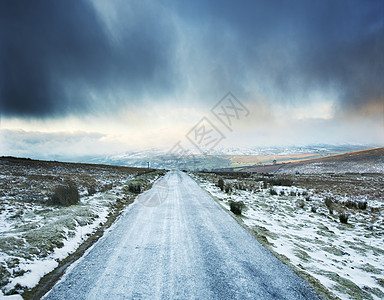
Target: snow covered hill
[{"x": 366, "y": 161}]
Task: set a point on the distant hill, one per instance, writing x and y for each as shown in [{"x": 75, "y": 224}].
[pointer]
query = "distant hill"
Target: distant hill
[{"x": 365, "y": 161}]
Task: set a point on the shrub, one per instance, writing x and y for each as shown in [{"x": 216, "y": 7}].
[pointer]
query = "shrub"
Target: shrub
[
  {"x": 307, "y": 198},
  {"x": 278, "y": 181},
  {"x": 135, "y": 187},
  {"x": 300, "y": 203},
  {"x": 305, "y": 193},
  {"x": 362, "y": 205},
  {"x": 282, "y": 193},
  {"x": 265, "y": 184},
  {"x": 236, "y": 207},
  {"x": 65, "y": 195},
  {"x": 350, "y": 204},
  {"x": 228, "y": 188},
  {"x": 220, "y": 184},
  {"x": 91, "y": 190},
  {"x": 272, "y": 191},
  {"x": 328, "y": 202},
  {"x": 106, "y": 187},
  {"x": 292, "y": 193},
  {"x": 343, "y": 217},
  {"x": 313, "y": 209}
]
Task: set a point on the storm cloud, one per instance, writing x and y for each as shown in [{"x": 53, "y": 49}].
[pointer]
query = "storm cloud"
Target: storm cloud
[
  {"x": 55, "y": 56},
  {"x": 287, "y": 50},
  {"x": 74, "y": 57}
]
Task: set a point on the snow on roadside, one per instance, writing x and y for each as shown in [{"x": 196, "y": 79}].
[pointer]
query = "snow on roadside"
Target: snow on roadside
[
  {"x": 34, "y": 238},
  {"x": 36, "y": 268},
  {"x": 346, "y": 259}
]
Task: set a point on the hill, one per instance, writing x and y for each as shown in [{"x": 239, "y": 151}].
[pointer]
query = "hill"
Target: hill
[{"x": 365, "y": 161}]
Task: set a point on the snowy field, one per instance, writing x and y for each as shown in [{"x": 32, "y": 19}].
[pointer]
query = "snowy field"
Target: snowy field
[
  {"x": 297, "y": 225},
  {"x": 34, "y": 235}
]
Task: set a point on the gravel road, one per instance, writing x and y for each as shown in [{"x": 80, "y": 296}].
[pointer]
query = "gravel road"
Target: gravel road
[{"x": 176, "y": 242}]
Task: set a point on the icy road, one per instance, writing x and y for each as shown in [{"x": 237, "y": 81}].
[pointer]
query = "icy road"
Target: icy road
[{"x": 175, "y": 242}]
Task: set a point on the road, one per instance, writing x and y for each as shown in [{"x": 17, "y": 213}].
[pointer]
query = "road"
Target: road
[{"x": 176, "y": 242}]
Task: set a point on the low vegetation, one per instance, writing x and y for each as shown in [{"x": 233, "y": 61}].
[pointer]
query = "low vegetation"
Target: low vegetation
[
  {"x": 328, "y": 227},
  {"x": 48, "y": 209},
  {"x": 65, "y": 195},
  {"x": 236, "y": 207}
]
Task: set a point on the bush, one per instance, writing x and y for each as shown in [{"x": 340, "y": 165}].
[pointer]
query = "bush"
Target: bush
[
  {"x": 65, "y": 195},
  {"x": 278, "y": 181},
  {"x": 135, "y": 187},
  {"x": 282, "y": 193},
  {"x": 292, "y": 193},
  {"x": 300, "y": 203},
  {"x": 350, "y": 204},
  {"x": 362, "y": 205},
  {"x": 265, "y": 184},
  {"x": 106, "y": 187},
  {"x": 272, "y": 191},
  {"x": 220, "y": 184},
  {"x": 313, "y": 209},
  {"x": 236, "y": 207},
  {"x": 343, "y": 217},
  {"x": 328, "y": 202},
  {"x": 228, "y": 188},
  {"x": 91, "y": 190}
]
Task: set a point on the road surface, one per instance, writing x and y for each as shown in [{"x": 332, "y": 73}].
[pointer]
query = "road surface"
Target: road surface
[{"x": 176, "y": 242}]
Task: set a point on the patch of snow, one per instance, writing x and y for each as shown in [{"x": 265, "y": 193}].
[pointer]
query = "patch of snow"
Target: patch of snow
[{"x": 315, "y": 242}]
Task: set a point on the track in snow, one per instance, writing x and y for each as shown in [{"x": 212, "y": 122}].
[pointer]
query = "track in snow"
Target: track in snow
[{"x": 176, "y": 242}]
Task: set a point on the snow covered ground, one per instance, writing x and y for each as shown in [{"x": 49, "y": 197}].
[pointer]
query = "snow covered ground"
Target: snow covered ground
[
  {"x": 25, "y": 256},
  {"x": 35, "y": 236},
  {"x": 347, "y": 259}
]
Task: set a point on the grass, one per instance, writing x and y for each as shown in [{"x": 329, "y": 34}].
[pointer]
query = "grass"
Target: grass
[
  {"x": 65, "y": 195},
  {"x": 347, "y": 286},
  {"x": 236, "y": 207},
  {"x": 284, "y": 219},
  {"x": 371, "y": 269},
  {"x": 303, "y": 255},
  {"x": 47, "y": 282},
  {"x": 35, "y": 229}
]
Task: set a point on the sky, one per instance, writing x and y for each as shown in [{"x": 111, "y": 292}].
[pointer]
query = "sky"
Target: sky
[{"x": 97, "y": 77}]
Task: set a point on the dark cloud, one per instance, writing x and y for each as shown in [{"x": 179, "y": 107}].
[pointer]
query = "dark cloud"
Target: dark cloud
[
  {"x": 60, "y": 57},
  {"x": 55, "y": 56},
  {"x": 289, "y": 49}
]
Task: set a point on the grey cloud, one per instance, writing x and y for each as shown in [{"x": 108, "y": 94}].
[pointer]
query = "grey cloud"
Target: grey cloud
[
  {"x": 54, "y": 55},
  {"x": 288, "y": 49},
  {"x": 60, "y": 57}
]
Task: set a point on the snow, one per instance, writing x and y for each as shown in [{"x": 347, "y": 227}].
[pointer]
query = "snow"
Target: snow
[
  {"x": 315, "y": 242},
  {"x": 35, "y": 237},
  {"x": 11, "y": 297}
]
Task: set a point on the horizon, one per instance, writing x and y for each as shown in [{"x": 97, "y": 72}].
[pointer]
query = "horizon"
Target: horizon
[{"x": 96, "y": 78}]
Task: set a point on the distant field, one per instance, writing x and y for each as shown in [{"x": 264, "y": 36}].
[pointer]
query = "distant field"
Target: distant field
[{"x": 250, "y": 160}]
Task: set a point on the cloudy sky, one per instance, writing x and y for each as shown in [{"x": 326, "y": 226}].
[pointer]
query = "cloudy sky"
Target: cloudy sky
[{"x": 96, "y": 77}]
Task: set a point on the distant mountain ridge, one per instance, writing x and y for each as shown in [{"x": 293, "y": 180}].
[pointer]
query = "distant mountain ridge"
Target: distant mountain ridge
[{"x": 364, "y": 161}]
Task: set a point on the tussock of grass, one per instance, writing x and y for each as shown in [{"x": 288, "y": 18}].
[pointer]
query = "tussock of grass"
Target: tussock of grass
[
  {"x": 347, "y": 286},
  {"x": 370, "y": 269},
  {"x": 236, "y": 207},
  {"x": 303, "y": 255}
]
